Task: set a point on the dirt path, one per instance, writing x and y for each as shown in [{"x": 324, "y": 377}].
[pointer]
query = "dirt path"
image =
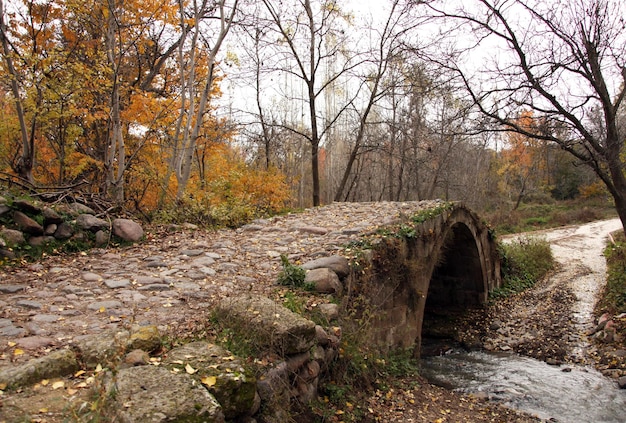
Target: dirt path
[{"x": 549, "y": 322}]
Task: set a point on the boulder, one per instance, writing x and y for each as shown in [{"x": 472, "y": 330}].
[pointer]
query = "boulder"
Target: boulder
[
  {"x": 12, "y": 237},
  {"x": 56, "y": 364},
  {"x": 267, "y": 324},
  {"x": 324, "y": 280},
  {"x": 329, "y": 310},
  {"x": 40, "y": 241},
  {"x": 337, "y": 264},
  {"x": 51, "y": 217},
  {"x": 127, "y": 230},
  {"x": 155, "y": 394},
  {"x": 102, "y": 348},
  {"x": 76, "y": 209},
  {"x": 91, "y": 223},
  {"x": 27, "y": 206},
  {"x": 145, "y": 338},
  {"x": 102, "y": 238},
  {"x": 223, "y": 374},
  {"x": 26, "y": 224},
  {"x": 64, "y": 231},
  {"x": 4, "y": 209}
]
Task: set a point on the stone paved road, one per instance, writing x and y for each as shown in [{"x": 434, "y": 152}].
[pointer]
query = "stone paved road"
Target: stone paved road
[{"x": 170, "y": 277}]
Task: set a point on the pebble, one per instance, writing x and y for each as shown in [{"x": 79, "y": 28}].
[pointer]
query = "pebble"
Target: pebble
[
  {"x": 45, "y": 318},
  {"x": 104, "y": 305},
  {"x": 91, "y": 277},
  {"x": 34, "y": 342},
  {"x": 11, "y": 289},
  {"x": 34, "y": 305},
  {"x": 119, "y": 283}
]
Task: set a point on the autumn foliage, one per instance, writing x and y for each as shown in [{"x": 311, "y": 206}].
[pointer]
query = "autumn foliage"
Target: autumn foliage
[{"x": 92, "y": 99}]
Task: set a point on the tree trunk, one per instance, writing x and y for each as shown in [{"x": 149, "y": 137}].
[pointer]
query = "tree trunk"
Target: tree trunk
[{"x": 24, "y": 167}]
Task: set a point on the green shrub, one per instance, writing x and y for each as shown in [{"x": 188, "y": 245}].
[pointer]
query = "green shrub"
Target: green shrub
[
  {"x": 291, "y": 275},
  {"x": 614, "y": 297},
  {"x": 524, "y": 262}
]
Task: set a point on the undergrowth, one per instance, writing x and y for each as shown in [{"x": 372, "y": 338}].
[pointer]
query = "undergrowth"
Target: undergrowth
[
  {"x": 524, "y": 262},
  {"x": 614, "y": 296}
]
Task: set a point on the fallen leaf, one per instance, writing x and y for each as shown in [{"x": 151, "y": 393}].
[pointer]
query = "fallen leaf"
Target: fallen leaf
[
  {"x": 43, "y": 410},
  {"x": 98, "y": 368},
  {"x": 209, "y": 381},
  {"x": 79, "y": 373},
  {"x": 17, "y": 352},
  {"x": 190, "y": 370},
  {"x": 71, "y": 391},
  {"x": 58, "y": 384},
  {"x": 11, "y": 344},
  {"x": 45, "y": 382}
]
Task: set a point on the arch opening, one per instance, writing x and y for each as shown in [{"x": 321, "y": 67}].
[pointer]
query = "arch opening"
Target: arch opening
[{"x": 456, "y": 285}]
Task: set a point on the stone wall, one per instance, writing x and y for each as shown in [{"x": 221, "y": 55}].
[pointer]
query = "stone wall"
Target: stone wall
[{"x": 28, "y": 224}]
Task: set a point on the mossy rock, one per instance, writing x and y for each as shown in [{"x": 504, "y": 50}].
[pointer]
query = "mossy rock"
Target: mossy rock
[
  {"x": 155, "y": 394},
  {"x": 224, "y": 375}
]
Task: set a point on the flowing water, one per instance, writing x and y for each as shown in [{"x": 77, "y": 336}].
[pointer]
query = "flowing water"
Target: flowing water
[{"x": 564, "y": 394}]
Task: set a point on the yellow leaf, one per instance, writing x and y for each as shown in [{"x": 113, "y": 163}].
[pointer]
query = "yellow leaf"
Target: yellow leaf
[
  {"x": 58, "y": 384},
  {"x": 209, "y": 381},
  {"x": 43, "y": 410},
  {"x": 71, "y": 391},
  {"x": 11, "y": 344},
  {"x": 98, "y": 368},
  {"x": 102, "y": 310},
  {"x": 17, "y": 352},
  {"x": 79, "y": 373},
  {"x": 45, "y": 382},
  {"x": 3, "y": 386},
  {"x": 190, "y": 369}
]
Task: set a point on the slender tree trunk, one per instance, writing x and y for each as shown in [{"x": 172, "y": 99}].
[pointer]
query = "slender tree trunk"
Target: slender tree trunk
[
  {"x": 24, "y": 167},
  {"x": 115, "y": 159}
]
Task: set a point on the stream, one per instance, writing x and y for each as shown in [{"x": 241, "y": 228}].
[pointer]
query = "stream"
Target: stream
[
  {"x": 564, "y": 394},
  {"x": 569, "y": 393}
]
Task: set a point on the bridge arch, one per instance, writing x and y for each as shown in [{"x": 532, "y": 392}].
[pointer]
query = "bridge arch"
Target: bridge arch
[{"x": 447, "y": 262}]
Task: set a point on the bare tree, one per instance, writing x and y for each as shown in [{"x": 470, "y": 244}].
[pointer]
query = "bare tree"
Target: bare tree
[
  {"x": 565, "y": 61},
  {"x": 387, "y": 48},
  {"x": 303, "y": 28}
]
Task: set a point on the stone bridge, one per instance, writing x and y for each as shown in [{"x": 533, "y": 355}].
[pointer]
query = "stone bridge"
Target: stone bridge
[
  {"x": 437, "y": 261},
  {"x": 391, "y": 262}
]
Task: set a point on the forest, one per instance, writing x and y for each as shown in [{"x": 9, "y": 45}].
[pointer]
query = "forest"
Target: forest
[{"x": 226, "y": 110}]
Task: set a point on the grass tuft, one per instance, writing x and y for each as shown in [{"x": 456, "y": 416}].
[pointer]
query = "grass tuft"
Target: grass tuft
[{"x": 524, "y": 262}]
